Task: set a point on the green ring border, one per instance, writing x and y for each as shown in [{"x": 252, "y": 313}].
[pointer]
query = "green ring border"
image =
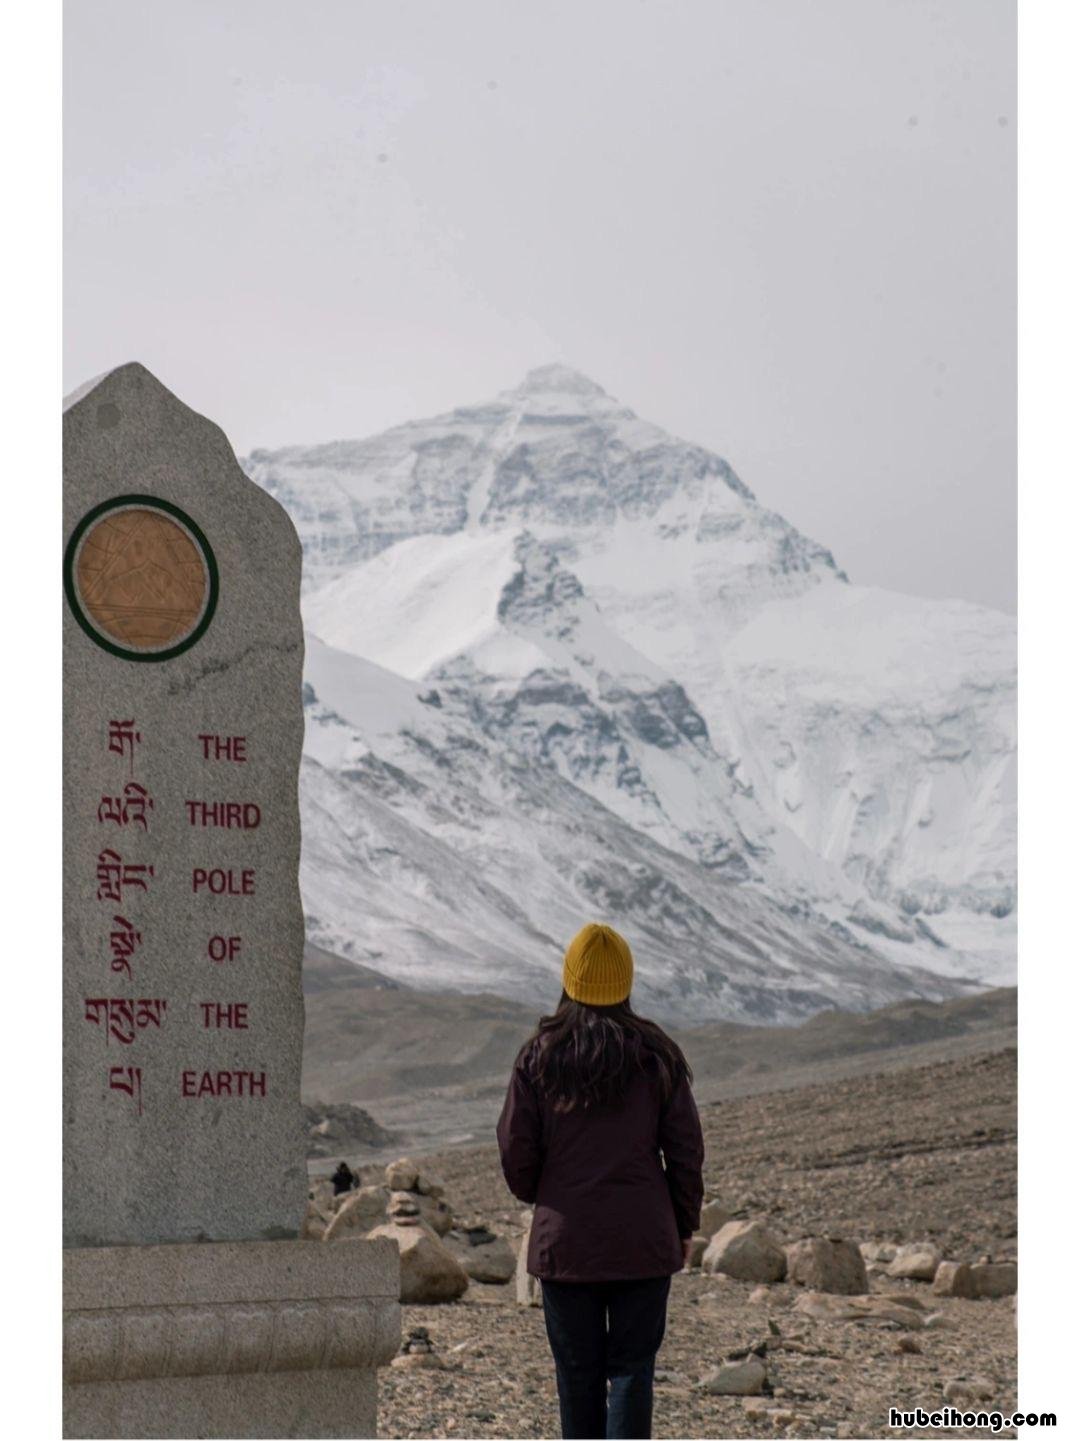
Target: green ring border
[{"x": 154, "y": 502}]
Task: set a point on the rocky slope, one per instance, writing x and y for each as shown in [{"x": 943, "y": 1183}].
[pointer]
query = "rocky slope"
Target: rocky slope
[{"x": 433, "y": 1065}]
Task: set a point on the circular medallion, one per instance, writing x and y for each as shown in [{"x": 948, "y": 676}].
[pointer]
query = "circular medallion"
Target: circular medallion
[{"x": 140, "y": 578}]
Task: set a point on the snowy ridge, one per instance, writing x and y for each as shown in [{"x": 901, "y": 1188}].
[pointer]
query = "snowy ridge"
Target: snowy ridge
[{"x": 603, "y": 615}]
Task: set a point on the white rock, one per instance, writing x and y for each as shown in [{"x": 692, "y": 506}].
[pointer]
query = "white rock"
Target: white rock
[
  {"x": 916, "y": 1262},
  {"x": 747, "y": 1251},
  {"x": 493, "y": 1262},
  {"x": 714, "y": 1214},
  {"x": 827, "y": 1264},
  {"x": 994, "y": 1278},
  {"x": 402, "y": 1174},
  {"x": 357, "y": 1213},
  {"x": 429, "y": 1273},
  {"x": 736, "y": 1378}
]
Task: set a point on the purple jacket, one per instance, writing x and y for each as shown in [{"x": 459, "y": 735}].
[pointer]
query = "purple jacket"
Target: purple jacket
[{"x": 606, "y": 1207}]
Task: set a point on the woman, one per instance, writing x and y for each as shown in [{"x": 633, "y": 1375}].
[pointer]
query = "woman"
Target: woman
[{"x": 596, "y": 1094}]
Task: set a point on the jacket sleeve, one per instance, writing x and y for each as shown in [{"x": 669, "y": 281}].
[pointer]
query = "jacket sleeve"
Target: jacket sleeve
[
  {"x": 519, "y": 1135},
  {"x": 684, "y": 1155}
]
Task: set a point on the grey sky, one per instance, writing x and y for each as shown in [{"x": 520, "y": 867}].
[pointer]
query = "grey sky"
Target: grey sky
[{"x": 784, "y": 229}]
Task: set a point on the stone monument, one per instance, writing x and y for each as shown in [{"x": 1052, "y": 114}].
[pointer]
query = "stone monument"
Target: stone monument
[{"x": 191, "y": 1306}]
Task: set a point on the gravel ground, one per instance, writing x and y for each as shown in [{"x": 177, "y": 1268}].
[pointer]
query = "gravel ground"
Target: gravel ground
[{"x": 926, "y": 1153}]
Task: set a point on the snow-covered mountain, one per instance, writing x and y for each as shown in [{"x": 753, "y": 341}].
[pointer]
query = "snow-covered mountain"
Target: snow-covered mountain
[{"x": 792, "y": 791}]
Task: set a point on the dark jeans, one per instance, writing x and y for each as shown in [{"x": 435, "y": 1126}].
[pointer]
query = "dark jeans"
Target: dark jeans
[{"x": 601, "y": 1331}]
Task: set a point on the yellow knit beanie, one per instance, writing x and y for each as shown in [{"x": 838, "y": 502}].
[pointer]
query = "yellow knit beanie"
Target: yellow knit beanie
[{"x": 598, "y": 968}]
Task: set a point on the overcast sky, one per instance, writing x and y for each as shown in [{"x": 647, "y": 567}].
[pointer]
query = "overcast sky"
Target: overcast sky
[{"x": 784, "y": 229}]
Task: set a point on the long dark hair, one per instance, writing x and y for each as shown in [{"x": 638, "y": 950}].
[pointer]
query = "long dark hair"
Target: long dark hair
[{"x": 587, "y": 1054}]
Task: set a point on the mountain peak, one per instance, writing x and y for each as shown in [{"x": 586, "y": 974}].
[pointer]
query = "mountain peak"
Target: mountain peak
[{"x": 559, "y": 379}]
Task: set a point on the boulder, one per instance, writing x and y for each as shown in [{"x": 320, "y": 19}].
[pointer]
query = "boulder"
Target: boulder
[
  {"x": 953, "y": 1278},
  {"x": 994, "y": 1278},
  {"x": 357, "y": 1213},
  {"x": 527, "y": 1288},
  {"x": 736, "y": 1378},
  {"x": 823, "y": 1306},
  {"x": 982, "y": 1280},
  {"x": 475, "y": 1235},
  {"x": 747, "y": 1251},
  {"x": 714, "y": 1214},
  {"x": 429, "y": 1273},
  {"x": 916, "y": 1262},
  {"x": 827, "y": 1264},
  {"x": 492, "y": 1261},
  {"x": 402, "y": 1174}
]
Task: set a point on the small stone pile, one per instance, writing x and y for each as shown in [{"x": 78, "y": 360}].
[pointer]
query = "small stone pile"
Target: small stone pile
[
  {"x": 437, "y": 1260},
  {"x": 417, "y": 1350}
]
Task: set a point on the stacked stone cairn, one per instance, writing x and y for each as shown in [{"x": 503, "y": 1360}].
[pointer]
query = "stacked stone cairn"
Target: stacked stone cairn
[
  {"x": 417, "y": 1350},
  {"x": 438, "y": 1259}
]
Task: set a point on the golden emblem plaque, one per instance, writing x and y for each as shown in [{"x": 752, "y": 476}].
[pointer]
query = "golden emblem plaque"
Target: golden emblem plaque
[{"x": 140, "y": 578}]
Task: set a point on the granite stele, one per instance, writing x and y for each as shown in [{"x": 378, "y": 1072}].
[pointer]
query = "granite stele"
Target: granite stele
[{"x": 191, "y": 1308}]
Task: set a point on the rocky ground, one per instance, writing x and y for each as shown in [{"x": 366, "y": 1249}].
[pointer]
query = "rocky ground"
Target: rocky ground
[{"x": 925, "y": 1153}]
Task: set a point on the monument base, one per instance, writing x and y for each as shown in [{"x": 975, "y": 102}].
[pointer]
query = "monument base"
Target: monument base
[{"x": 230, "y": 1339}]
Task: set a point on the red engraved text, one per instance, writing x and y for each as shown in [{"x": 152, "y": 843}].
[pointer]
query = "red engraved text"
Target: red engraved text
[
  {"x": 224, "y": 748},
  {"x": 236, "y": 1084},
  {"x": 129, "y": 1080},
  {"x": 223, "y": 882},
  {"x": 123, "y": 940},
  {"x": 113, "y": 875},
  {"x": 228, "y": 815},
  {"x": 123, "y": 738},
  {"x": 122, "y": 1016},
  {"x": 223, "y": 948},
  {"x": 226, "y": 1016},
  {"x": 127, "y": 810}
]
